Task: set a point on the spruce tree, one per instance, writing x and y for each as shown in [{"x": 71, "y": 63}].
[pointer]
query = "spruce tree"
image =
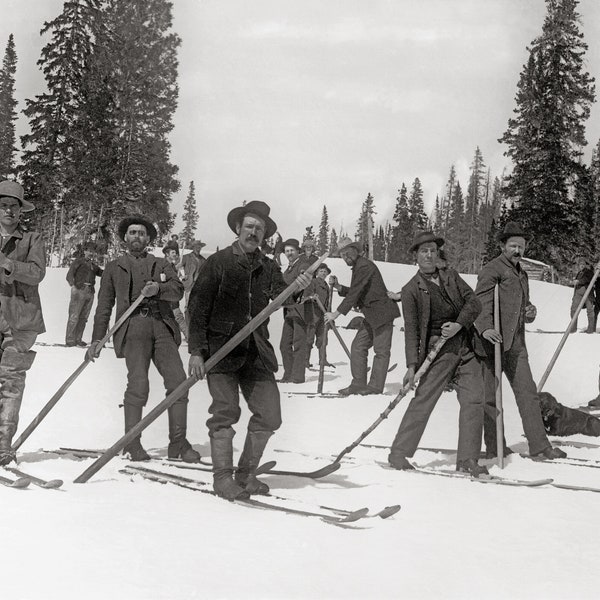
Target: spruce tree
[
  {"x": 416, "y": 208},
  {"x": 190, "y": 217},
  {"x": 456, "y": 236},
  {"x": 475, "y": 198},
  {"x": 364, "y": 228},
  {"x": 402, "y": 230},
  {"x": 333, "y": 243},
  {"x": 323, "y": 242},
  {"x": 8, "y": 113}
]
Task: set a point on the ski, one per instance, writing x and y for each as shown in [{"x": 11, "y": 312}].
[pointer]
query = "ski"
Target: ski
[
  {"x": 199, "y": 486},
  {"x": 51, "y": 484},
  {"x": 574, "y": 444},
  {"x": 576, "y": 488},
  {"x": 19, "y": 484},
  {"x": 179, "y": 464},
  {"x": 574, "y": 462},
  {"x": 322, "y": 472}
]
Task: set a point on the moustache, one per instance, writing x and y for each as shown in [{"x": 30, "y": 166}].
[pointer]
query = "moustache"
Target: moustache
[{"x": 252, "y": 237}]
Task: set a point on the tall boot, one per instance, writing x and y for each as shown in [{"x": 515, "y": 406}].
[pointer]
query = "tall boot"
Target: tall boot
[
  {"x": 221, "y": 449},
  {"x": 179, "y": 447},
  {"x": 133, "y": 415},
  {"x": 245, "y": 475},
  {"x": 13, "y": 366}
]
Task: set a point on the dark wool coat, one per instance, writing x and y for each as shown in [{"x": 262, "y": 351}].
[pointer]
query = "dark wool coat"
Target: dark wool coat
[
  {"x": 228, "y": 293},
  {"x": 416, "y": 305},
  {"x": 115, "y": 285},
  {"x": 293, "y": 307},
  {"x": 19, "y": 296},
  {"x": 368, "y": 293}
]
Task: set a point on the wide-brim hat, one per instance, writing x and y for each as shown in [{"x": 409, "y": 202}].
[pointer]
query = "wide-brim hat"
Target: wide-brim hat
[
  {"x": 196, "y": 243},
  {"x": 346, "y": 242},
  {"x": 513, "y": 229},
  {"x": 256, "y": 207},
  {"x": 292, "y": 242},
  {"x": 136, "y": 220},
  {"x": 422, "y": 237},
  {"x": 171, "y": 245},
  {"x": 324, "y": 266},
  {"x": 12, "y": 189}
]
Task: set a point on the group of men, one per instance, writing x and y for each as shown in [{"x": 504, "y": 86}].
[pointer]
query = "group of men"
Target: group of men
[{"x": 236, "y": 284}]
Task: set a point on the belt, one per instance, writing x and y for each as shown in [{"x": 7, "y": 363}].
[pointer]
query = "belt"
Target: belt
[{"x": 144, "y": 311}]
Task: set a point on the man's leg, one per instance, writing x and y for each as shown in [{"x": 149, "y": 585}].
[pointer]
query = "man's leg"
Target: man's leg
[
  {"x": 299, "y": 351},
  {"x": 87, "y": 299},
  {"x": 577, "y": 295},
  {"x": 382, "y": 343},
  {"x": 285, "y": 346},
  {"x": 359, "y": 354},
  {"x": 75, "y": 306},
  {"x": 589, "y": 307},
  {"x": 180, "y": 320}
]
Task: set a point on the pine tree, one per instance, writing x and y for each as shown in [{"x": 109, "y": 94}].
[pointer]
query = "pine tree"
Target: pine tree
[
  {"x": 364, "y": 228},
  {"x": 190, "y": 217},
  {"x": 416, "y": 208},
  {"x": 333, "y": 243},
  {"x": 402, "y": 231},
  {"x": 446, "y": 202},
  {"x": 546, "y": 135},
  {"x": 323, "y": 243},
  {"x": 595, "y": 190},
  {"x": 8, "y": 113},
  {"x": 492, "y": 247},
  {"x": 456, "y": 242},
  {"x": 474, "y": 200},
  {"x": 309, "y": 234}
]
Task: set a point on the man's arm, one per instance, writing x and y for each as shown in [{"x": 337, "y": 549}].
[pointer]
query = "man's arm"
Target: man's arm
[
  {"x": 472, "y": 306},
  {"x": 412, "y": 327},
  {"x": 106, "y": 301},
  {"x": 361, "y": 279},
  {"x": 33, "y": 269},
  {"x": 200, "y": 305},
  {"x": 72, "y": 270},
  {"x": 486, "y": 282}
]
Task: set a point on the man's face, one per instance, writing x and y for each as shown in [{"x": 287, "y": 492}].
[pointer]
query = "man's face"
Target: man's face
[
  {"x": 349, "y": 256},
  {"x": 88, "y": 254},
  {"x": 10, "y": 211},
  {"x": 136, "y": 238},
  {"x": 514, "y": 249},
  {"x": 308, "y": 250},
  {"x": 251, "y": 232},
  {"x": 196, "y": 249},
  {"x": 427, "y": 257},
  {"x": 322, "y": 273},
  {"x": 291, "y": 253},
  {"x": 172, "y": 256}
]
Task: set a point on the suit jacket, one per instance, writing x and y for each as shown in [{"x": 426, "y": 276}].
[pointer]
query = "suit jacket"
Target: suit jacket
[
  {"x": 19, "y": 296},
  {"x": 115, "y": 285},
  {"x": 416, "y": 306},
  {"x": 294, "y": 307},
  {"x": 229, "y": 292},
  {"x": 368, "y": 293},
  {"x": 513, "y": 287},
  {"x": 192, "y": 265}
]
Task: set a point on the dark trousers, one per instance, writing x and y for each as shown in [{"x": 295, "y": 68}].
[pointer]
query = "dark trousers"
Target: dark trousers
[
  {"x": 515, "y": 364},
  {"x": 589, "y": 307},
  {"x": 380, "y": 340},
  {"x": 148, "y": 339},
  {"x": 293, "y": 348},
  {"x": 455, "y": 357},
  {"x": 259, "y": 389},
  {"x": 316, "y": 333},
  {"x": 79, "y": 311}
]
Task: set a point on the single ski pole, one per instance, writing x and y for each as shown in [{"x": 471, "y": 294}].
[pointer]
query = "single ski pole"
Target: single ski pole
[
  {"x": 568, "y": 331},
  {"x": 498, "y": 377},
  {"x": 183, "y": 387},
  {"x": 334, "y": 329},
  {"x": 67, "y": 384},
  {"x": 323, "y": 348}
]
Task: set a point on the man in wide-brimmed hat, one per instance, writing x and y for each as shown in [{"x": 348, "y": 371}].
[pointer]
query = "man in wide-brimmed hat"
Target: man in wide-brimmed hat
[
  {"x": 368, "y": 293},
  {"x": 81, "y": 277},
  {"x": 22, "y": 268},
  {"x": 171, "y": 252},
  {"x": 506, "y": 272},
  {"x": 149, "y": 335},
  {"x": 438, "y": 303},
  {"x": 234, "y": 286},
  {"x": 190, "y": 267},
  {"x": 316, "y": 325},
  {"x": 309, "y": 248}
]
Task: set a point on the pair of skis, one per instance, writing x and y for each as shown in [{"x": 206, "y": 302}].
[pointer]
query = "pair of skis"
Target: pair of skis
[{"x": 25, "y": 479}]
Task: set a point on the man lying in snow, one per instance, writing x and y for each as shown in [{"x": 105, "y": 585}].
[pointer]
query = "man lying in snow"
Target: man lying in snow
[{"x": 561, "y": 420}]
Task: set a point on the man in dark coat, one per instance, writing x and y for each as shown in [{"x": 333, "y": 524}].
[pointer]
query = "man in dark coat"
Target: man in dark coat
[
  {"x": 438, "y": 303},
  {"x": 580, "y": 283},
  {"x": 296, "y": 319},
  {"x": 368, "y": 293},
  {"x": 515, "y": 310},
  {"x": 171, "y": 252},
  {"x": 150, "y": 333},
  {"x": 236, "y": 285},
  {"x": 190, "y": 267},
  {"x": 316, "y": 327},
  {"x": 81, "y": 276},
  {"x": 309, "y": 247},
  {"x": 22, "y": 268}
]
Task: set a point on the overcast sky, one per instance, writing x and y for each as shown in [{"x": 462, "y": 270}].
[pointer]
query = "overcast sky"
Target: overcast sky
[{"x": 305, "y": 103}]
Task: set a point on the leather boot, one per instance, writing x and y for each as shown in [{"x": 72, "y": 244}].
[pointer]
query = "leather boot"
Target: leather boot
[
  {"x": 179, "y": 447},
  {"x": 399, "y": 462},
  {"x": 221, "y": 450},
  {"x": 472, "y": 467},
  {"x": 133, "y": 415},
  {"x": 249, "y": 461},
  {"x": 13, "y": 366}
]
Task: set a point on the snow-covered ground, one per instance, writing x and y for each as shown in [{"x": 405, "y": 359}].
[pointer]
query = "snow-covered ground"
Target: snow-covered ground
[{"x": 114, "y": 538}]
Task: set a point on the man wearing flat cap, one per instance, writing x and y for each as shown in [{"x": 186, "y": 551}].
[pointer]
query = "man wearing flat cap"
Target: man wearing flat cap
[
  {"x": 437, "y": 303},
  {"x": 22, "y": 268},
  {"x": 505, "y": 271},
  {"x": 81, "y": 277},
  {"x": 150, "y": 333},
  {"x": 234, "y": 286},
  {"x": 368, "y": 293}
]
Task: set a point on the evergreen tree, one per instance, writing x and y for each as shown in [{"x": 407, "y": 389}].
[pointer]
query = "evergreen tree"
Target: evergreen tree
[
  {"x": 546, "y": 135},
  {"x": 456, "y": 236},
  {"x": 364, "y": 228},
  {"x": 402, "y": 231},
  {"x": 446, "y": 202},
  {"x": 190, "y": 217},
  {"x": 323, "y": 244},
  {"x": 379, "y": 244},
  {"x": 8, "y": 114},
  {"x": 333, "y": 243},
  {"x": 416, "y": 208},
  {"x": 309, "y": 234},
  {"x": 492, "y": 247},
  {"x": 595, "y": 191},
  {"x": 476, "y": 192}
]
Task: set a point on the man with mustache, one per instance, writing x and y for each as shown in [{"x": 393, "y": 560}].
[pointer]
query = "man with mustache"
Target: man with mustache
[
  {"x": 233, "y": 287},
  {"x": 515, "y": 310}
]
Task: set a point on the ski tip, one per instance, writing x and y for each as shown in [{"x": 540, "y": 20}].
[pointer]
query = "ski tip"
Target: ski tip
[
  {"x": 266, "y": 467},
  {"x": 327, "y": 470},
  {"x": 53, "y": 484},
  {"x": 388, "y": 511},
  {"x": 21, "y": 483},
  {"x": 354, "y": 515}
]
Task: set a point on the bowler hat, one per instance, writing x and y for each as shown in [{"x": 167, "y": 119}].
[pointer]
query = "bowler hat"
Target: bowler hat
[
  {"x": 292, "y": 242},
  {"x": 324, "y": 266},
  {"x": 171, "y": 245},
  {"x": 513, "y": 229},
  {"x": 256, "y": 207},
  {"x": 422, "y": 237},
  {"x": 12, "y": 189},
  {"x": 136, "y": 220},
  {"x": 346, "y": 242}
]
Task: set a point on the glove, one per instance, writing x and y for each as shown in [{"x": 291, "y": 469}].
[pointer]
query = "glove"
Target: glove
[{"x": 150, "y": 289}]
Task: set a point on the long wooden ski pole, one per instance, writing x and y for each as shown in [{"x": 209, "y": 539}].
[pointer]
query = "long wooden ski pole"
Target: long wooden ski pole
[
  {"x": 573, "y": 321},
  {"x": 323, "y": 348},
  {"x": 335, "y": 329},
  {"x": 67, "y": 384},
  {"x": 498, "y": 378},
  {"x": 160, "y": 408}
]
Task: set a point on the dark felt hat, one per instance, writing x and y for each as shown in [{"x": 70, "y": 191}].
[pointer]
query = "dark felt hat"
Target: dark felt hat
[
  {"x": 12, "y": 189},
  {"x": 136, "y": 220},
  {"x": 422, "y": 237},
  {"x": 256, "y": 207},
  {"x": 197, "y": 243},
  {"x": 513, "y": 229},
  {"x": 324, "y": 266},
  {"x": 346, "y": 242},
  {"x": 292, "y": 242},
  {"x": 171, "y": 245}
]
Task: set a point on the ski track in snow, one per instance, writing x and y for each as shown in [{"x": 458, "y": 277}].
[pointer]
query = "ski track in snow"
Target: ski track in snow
[{"x": 113, "y": 538}]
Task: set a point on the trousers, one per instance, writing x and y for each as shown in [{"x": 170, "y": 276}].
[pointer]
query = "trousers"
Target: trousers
[
  {"x": 80, "y": 306},
  {"x": 380, "y": 339}
]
